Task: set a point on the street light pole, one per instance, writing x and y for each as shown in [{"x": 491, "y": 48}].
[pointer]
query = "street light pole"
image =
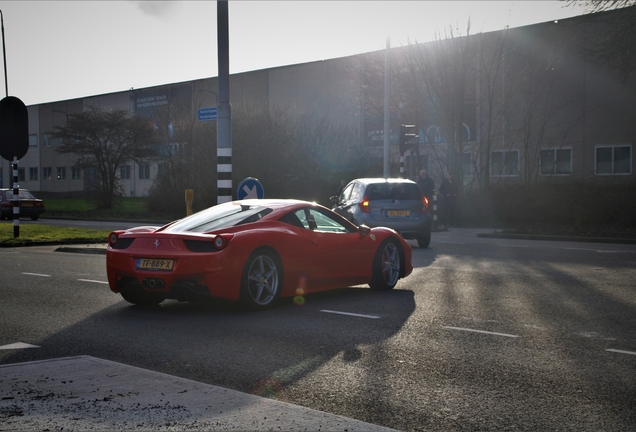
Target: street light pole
[
  {"x": 4, "y": 56},
  {"x": 224, "y": 113}
]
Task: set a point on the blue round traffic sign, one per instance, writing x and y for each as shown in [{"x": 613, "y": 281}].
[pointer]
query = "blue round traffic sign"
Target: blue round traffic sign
[{"x": 250, "y": 188}]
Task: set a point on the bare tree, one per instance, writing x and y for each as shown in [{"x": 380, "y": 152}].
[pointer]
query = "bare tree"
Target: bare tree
[
  {"x": 106, "y": 140},
  {"x": 492, "y": 101},
  {"x": 614, "y": 40},
  {"x": 446, "y": 66}
]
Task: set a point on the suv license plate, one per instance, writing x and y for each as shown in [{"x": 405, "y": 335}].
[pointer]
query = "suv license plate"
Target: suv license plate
[{"x": 399, "y": 213}]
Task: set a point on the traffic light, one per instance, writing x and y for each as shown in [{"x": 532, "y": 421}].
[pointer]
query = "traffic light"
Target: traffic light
[{"x": 408, "y": 135}]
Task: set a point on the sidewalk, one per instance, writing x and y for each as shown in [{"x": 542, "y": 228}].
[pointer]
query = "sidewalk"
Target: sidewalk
[{"x": 82, "y": 393}]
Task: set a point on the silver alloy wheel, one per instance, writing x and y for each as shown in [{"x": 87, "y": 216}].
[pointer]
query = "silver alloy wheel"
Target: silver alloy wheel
[
  {"x": 262, "y": 280},
  {"x": 390, "y": 264}
]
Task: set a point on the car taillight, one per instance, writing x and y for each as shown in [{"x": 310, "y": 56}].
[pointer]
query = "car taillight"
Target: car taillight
[
  {"x": 424, "y": 204},
  {"x": 112, "y": 238},
  {"x": 221, "y": 241},
  {"x": 364, "y": 205}
]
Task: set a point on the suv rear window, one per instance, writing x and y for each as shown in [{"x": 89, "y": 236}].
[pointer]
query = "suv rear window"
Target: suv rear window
[{"x": 393, "y": 191}]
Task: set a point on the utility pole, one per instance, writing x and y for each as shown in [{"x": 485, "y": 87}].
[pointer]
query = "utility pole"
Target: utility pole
[
  {"x": 224, "y": 111},
  {"x": 387, "y": 109}
]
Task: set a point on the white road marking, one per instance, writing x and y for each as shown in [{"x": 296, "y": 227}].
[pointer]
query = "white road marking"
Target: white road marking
[
  {"x": 599, "y": 251},
  {"x": 481, "y": 331},
  {"x": 350, "y": 314},
  {"x": 36, "y": 274},
  {"x": 17, "y": 345},
  {"x": 621, "y": 351},
  {"x": 93, "y": 281}
]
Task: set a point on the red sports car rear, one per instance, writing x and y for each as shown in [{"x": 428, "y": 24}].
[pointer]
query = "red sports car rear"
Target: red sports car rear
[{"x": 254, "y": 251}]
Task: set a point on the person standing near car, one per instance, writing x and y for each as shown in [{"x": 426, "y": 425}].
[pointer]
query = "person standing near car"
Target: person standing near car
[
  {"x": 448, "y": 190},
  {"x": 426, "y": 184}
]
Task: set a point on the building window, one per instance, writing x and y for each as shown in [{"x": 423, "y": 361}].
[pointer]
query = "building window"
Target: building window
[
  {"x": 161, "y": 169},
  {"x": 21, "y": 174},
  {"x": 556, "y": 162},
  {"x": 57, "y": 142},
  {"x": 467, "y": 164},
  {"x": 46, "y": 140},
  {"x": 61, "y": 173},
  {"x": 504, "y": 163},
  {"x": 33, "y": 140},
  {"x": 614, "y": 160},
  {"x": 33, "y": 173},
  {"x": 76, "y": 173},
  {"x": 124, "y": 172},
  {"x": 47, "y": 173},
  {"x": 144, "y": 172}
]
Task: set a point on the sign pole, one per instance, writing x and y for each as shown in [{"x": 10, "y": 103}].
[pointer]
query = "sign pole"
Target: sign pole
[{"x": 16, "y": 200}]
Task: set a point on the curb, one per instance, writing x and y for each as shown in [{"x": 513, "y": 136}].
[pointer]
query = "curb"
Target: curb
[
  {"x": 87, "y": 250},
  {"x": 558, "y": 238}
]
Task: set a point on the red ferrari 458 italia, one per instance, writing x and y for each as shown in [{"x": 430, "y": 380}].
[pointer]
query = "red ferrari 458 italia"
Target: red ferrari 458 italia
[{"x": 253, "y": 251}]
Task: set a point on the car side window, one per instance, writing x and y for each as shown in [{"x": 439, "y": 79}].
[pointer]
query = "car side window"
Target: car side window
[
  {"x": 355, "y": 193},
  {"x": 314, "y": 220},
  {"x": 346, "y": 193}
]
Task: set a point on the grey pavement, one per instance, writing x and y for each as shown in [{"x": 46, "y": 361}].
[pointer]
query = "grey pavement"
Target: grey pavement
[{"x": 88, "y": 393}]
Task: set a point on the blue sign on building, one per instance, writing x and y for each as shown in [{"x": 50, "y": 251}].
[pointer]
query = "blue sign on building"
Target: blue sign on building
[
  {"x": 250, "y": 188},
  {"x": 206, "y": 114}
]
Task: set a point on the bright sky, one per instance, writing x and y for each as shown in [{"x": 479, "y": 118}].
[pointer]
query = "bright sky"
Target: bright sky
[{"x": 57, "y": 50}]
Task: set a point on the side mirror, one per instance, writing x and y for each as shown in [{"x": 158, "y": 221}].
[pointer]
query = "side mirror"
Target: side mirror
[{"x": 364, "y": 230}]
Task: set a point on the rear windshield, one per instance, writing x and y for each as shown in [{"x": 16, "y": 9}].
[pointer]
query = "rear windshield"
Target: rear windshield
[
  {"x": 394, "y": 191},
  {"x": 220, "y": 216},
  {"x": 23, "y": 195}
]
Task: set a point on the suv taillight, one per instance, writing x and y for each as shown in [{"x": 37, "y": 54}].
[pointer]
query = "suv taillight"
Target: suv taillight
[
  {"x": 424, "y": 204},
  {"x": 364, "y": 205}
]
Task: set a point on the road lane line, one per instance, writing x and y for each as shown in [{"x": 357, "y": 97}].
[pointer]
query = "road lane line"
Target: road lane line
[
  {"x": 621, "y": 351},
  {"x": 481, "y": 331},
  {"x": 35, "y": 274},
  {"x": 350, "y": 314},
  {"x": 93, "y": 281}
]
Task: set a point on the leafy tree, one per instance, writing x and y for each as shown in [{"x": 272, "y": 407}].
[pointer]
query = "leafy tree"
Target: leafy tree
[{"x": 106, "y": 140}]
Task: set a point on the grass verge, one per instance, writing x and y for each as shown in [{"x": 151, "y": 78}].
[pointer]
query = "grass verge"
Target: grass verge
[{"x": 47, "y": 234}]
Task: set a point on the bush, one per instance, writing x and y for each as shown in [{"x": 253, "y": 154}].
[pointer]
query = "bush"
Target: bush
[{"x": 600, "y": 206}]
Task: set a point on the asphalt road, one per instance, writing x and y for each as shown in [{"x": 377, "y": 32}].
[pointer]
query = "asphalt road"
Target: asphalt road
[{"x": 486, "y": 334}]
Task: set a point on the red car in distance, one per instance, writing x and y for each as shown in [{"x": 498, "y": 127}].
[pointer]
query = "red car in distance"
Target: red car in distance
[
  {"x": 253, "y": 251},
  {"x": 30, "y": 206}
]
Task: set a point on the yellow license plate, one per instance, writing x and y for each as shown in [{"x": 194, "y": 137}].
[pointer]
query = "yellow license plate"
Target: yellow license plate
[
  {"x": 399, "y": 213},
  {"x": 154, "y": 264}
]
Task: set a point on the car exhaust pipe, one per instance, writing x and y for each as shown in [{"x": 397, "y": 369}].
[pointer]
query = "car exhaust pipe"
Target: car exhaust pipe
[{"x": 154, "y": 284}]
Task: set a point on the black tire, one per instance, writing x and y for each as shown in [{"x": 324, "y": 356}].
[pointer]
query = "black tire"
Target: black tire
[
  {"x": 141, "y": 298},
  {"x": 34, "y": 218},
  {"x": 424, "y": 238},
  {"x": 262, "y": 280},
  {"x": 386, "y": 266}
]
